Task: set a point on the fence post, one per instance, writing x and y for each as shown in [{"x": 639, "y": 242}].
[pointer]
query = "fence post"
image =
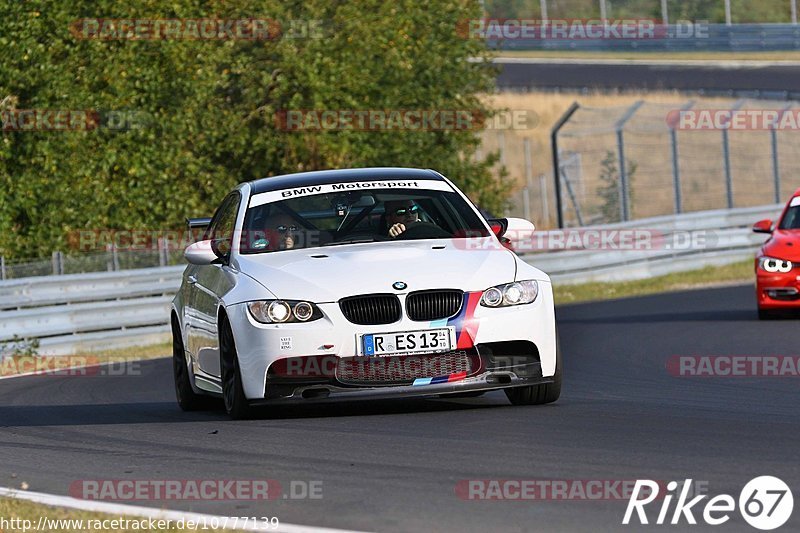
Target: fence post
[
  {"x": 664, "y": 13},
  {"x": 162, "y": 252},
  {"x": 58, "y": 263},
  {"x": 115, "y": 256},
  {"x": 543, "y": 194},
  {"x": 556, "y": 168},
  {"x": 2, "y": 267},
  {"x": 543, "y": 10},
  {"x": 526, "y": 201},
  {"x": 726, "y": 154},
  {"x": 676, "y": 167},
  {"x": 623, "y": 171},
  {"x": 794, "y": 11},
  {"x": 776, "y": 170}
]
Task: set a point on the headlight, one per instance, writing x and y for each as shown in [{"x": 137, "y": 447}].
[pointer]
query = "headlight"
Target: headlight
[
  {"x": 770, "y": 264},
  {"x": 517, "y": 293},
  {"x": 283, "y": 311}
]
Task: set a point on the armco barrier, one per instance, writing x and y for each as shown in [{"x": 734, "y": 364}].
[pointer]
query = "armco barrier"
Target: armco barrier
[
  {"x": 77, "y": 312},
  {"x": 89, "y": 311},
  {"x": 727, "y": 234}
]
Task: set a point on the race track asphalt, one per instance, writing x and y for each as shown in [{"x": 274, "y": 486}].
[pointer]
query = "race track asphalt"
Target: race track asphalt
[
  {"x": 394, "y": 465},
  {"x": 764, "y": 79}
]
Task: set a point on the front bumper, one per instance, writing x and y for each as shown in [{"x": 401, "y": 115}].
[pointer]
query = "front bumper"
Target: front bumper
[
  {"x": 526, "y": 333},
  {"x": 487, "y": 381},
  {"x": 778, "y": 290}
]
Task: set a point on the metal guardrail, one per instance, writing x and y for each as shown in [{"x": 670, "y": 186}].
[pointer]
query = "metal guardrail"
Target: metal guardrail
[
  {"x": 76, "y": 312},
  {"x": 668, "y": 244}
]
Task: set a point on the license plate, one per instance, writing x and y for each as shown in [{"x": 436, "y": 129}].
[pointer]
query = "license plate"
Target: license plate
[{"x": 407, "y": 342}]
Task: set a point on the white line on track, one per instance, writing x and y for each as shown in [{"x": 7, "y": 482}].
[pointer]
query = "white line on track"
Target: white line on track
[{"x": 145, "y": 512}]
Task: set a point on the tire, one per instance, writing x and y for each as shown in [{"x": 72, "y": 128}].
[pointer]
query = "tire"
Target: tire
[
  {"x": 766, "y": 314},
  {"x": 538, "y": 394},
  {"x": 236, "y": 403},
  {"x": 188, "y": 400}
]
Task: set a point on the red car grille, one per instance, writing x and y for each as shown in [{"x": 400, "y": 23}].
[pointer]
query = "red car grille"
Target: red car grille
[{"x": 398, "y": 370}]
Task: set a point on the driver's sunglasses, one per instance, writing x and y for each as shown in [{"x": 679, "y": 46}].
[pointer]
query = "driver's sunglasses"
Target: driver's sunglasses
[
  {"x": 283, "y": 229},
  {"x": 405, "y": 211}
]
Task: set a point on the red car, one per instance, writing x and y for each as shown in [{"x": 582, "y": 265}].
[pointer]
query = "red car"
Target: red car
[{"x": 778, "y": 262}]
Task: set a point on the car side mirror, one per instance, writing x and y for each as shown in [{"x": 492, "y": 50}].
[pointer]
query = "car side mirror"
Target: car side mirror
[
  {"x": 197, "y": 226},
  {"x": 763, "y": 226},
  {"x": 519, "y": 228},
  {"x": 201, "y": 253},
  {"x": 498, "y": 226}
]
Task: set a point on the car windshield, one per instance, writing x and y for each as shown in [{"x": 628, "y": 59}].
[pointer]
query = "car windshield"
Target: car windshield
[
  {"x": 337, "y": 218},
  {"x": 791, "y": 220}
]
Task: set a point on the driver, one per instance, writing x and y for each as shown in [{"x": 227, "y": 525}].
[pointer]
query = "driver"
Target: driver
[
  {"x": 400, "y": 214},
  {"x": 284, "y": 227}
]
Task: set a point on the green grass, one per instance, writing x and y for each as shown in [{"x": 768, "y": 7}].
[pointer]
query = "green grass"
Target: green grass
[
  {"x": 695, "y": 279},
  {"x": 789, "y": 55},
  {"x": 153, "y": 351}
]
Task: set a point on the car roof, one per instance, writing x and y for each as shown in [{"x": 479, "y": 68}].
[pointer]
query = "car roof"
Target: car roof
[{"x": 324, "y": 177}]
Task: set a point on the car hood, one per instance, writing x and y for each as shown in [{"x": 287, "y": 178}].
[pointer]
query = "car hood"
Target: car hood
[
  {"x": 329, "y": 273},
  {"x": 783, "y": 244}
]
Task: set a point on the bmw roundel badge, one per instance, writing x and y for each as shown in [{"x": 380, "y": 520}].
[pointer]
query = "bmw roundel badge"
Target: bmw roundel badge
[{"x": 399, "y": 285}]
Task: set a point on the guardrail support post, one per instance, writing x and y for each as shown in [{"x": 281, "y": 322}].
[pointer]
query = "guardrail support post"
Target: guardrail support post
[
  {"x": 58, "y": 263},
  {"x": 726, "y": 154},
  {"x": 624, "y": 186},
  {"x": 162, "y": 252},
  {"x": 556, "y": 167}
]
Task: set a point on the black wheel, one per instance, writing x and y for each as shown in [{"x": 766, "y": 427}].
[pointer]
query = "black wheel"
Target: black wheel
[
  {"x": 539, "y": 394},
  {"x": 763, "y": 314},
  {"x": 236, "y": 404},
  {"x": 188, "y": 400}
]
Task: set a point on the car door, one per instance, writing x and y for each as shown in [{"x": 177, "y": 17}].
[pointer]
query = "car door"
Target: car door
[{"x": 210, "y": 283}]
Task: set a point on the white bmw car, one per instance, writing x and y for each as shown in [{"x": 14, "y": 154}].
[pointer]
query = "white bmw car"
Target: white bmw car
[{"x": 357, "y": 284}]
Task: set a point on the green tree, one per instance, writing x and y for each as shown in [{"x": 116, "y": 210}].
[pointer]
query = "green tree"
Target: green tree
[{"x": 205, "y": 110}]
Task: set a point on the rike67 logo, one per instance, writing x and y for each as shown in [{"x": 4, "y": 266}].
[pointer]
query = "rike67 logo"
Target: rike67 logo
[{"x": 765, "y": 503}]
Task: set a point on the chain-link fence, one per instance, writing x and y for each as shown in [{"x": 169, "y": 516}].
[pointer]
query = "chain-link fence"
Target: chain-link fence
[
  {"x": 110, "y": 260},
  {"x": 677, "y": 158}
]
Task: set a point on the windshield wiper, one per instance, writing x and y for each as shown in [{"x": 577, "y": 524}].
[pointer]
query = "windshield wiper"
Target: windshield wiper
[{"x": 353, "y": 241}]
